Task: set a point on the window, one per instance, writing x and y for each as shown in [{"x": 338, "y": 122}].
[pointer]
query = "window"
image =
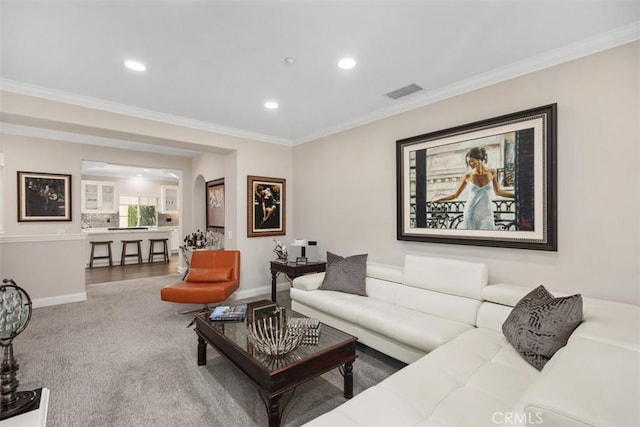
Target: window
[{"x": 137, "y": 211}]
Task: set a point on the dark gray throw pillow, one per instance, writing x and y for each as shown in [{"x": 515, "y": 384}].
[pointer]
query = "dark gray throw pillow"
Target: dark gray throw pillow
[
  {"x": 539, "y": 324},
  {"x": 346, "y": 274}
]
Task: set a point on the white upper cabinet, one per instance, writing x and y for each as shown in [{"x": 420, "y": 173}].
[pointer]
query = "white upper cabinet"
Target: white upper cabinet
[
  {"x": 169, "y": 200},
  {"x": 99, "y": 197}
]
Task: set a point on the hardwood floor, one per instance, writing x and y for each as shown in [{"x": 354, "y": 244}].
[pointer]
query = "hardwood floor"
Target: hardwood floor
[{"x": 131, "y": 271}]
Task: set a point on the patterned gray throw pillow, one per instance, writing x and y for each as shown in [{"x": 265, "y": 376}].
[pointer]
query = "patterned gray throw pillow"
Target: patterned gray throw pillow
[
  {"x": 539, "y": 324},
  {"x": 346, "y": 274}
]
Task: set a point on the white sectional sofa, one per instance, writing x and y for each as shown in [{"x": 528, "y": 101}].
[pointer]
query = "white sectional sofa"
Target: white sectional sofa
[{"x": 440, "y": 316}]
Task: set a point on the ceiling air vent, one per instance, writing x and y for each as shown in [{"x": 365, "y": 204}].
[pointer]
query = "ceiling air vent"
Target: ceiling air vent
[{"x": 404, "y": 91}]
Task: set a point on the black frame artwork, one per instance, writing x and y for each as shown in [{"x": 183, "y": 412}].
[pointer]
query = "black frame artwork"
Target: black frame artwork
[
  {"x": 44, "y": 197},
  {"x": 215, "y": 198},
  {"x": 520, "y": 151}
]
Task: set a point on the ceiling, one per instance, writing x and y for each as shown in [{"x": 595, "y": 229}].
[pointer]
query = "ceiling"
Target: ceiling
[{"x": 213, "y": 64}]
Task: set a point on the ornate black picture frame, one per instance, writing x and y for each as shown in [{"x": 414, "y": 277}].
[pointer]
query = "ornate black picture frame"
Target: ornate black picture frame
[{"x": 487, "y": 183}]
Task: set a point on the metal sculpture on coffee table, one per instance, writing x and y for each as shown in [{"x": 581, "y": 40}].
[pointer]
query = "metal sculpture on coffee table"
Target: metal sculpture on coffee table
[{"x": 15, "y": 313}]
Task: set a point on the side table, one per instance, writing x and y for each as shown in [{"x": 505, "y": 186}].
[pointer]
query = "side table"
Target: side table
[{"x": 293, "y": 270}]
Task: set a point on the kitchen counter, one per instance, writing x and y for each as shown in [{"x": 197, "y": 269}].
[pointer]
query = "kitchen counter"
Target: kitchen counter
[
  {"x": 124, "y": 230},
  {"x": 94, "y": 234}
]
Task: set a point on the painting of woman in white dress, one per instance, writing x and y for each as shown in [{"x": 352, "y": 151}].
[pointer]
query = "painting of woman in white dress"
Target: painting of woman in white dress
[
  {"x": 487, "y": 183},
  {"x": 481, "y": 183}
]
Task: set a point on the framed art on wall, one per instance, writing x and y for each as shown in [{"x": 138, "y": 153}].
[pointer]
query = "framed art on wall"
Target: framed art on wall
[
  {"x": 487, "y": 183},
  {"x": 266, "y": 206},
  {"x": 215, "y": 203},
  {"x": 44, "y": 197}
]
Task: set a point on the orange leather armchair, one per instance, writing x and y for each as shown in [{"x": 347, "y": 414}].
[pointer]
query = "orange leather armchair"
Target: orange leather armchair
[{"x": 213, "y": 276}]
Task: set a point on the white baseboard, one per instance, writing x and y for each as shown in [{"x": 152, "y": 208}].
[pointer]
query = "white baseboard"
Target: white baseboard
[
  {"x": 57, "y": 300},
  {"x": 262, "y": 291}
]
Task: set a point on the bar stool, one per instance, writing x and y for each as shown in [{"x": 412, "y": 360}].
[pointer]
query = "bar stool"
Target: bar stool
[
  {"x": 164, "y": 252},
  {"x": 106, "y": 243},
  {"x": 137, "y": 254}
]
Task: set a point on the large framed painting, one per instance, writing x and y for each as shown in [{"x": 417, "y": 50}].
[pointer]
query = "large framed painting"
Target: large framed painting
[
  {"x": 487, "y": 183},
  {"x": 266, "y": 206},
  {"x": 215, "y": 203},
  {"x": 44, "y": 197}
]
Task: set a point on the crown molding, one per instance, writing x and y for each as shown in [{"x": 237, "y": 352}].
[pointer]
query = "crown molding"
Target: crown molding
[
  {"x": 618, "y": 37},
  {"x": 127, "y": 110}
]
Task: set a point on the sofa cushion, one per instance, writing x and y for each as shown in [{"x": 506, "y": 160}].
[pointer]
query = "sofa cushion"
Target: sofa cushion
[
  {"x": 539, "y": 324},
  {"x": 447, "y": 306},
  {"x": 345, "y": 274},
  {"x": 308, "y": 282},
  {"x": 449, "y": 276},
  {"x": 587, "y": 383},
  {"x": 389, "y": 273},
  {"x": 208, "y": 274},
  {"x": 340, "y": 304},
  {"x": 419, "y": 330},
  {"x": 462, "y": 383}
]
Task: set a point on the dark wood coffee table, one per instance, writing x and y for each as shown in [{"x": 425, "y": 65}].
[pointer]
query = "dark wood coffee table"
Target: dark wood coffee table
[{"x": 275, "y": 377}]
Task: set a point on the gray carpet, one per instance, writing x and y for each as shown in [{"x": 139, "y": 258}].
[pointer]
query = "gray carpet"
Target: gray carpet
[{"x": 123, "y": 358}]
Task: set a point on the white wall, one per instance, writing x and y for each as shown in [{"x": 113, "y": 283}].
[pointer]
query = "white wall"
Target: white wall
[{"x": 345, "y": 194}]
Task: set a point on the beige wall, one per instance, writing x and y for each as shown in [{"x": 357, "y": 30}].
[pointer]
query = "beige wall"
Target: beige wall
[
  {"x": 237, "y": 157},
  {"x": 345, "y": 194},
  {"x": 341, "y": 189},
  {"x": 48, "y": 258}
]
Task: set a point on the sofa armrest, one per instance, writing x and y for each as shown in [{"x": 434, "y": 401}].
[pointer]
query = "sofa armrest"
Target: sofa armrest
[{"x": 308, "y": 282}]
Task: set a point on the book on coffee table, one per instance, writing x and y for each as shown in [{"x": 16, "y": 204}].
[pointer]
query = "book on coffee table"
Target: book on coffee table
[{"x": 229, "y": 313}]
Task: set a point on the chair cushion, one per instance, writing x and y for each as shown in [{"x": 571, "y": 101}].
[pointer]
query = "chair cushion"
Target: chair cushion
[
  {"x": 208, "y": 274},
  {"x": 346, "y": 274},
  {"x": 539, "y": 324},
  {"x": 198, "y": 293}
]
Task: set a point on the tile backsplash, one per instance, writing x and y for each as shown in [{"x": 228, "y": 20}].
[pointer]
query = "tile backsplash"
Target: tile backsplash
[
  {"x": 168, "y": 220},
  {"x": 95, "y": 220}
]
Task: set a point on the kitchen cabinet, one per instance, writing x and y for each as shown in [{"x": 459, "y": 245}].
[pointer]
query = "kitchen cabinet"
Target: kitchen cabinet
[
  {"x": 99, "y": 197},
  {"x": 174, "y": 240},
  {"x": 169, "y": 199}
]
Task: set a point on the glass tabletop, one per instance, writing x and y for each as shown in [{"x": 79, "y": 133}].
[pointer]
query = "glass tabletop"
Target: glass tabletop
[{"x": 237, "y": 334}]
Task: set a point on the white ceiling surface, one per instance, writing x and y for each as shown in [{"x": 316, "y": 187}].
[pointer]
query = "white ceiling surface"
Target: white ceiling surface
[{"x": 212, "y": 65}]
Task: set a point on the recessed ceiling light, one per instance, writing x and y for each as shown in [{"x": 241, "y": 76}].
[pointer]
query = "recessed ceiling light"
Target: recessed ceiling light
[
  {"x": 271, "y": 105},
  {"x": 289, "y": 60},
  {"x": 147, "y": 170},
  {"x": 135, "y": 65},
  {"x": 347, "y": 63}
]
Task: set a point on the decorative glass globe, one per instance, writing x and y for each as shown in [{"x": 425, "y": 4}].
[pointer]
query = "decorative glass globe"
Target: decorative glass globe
[{"x": 15, "y": 313}]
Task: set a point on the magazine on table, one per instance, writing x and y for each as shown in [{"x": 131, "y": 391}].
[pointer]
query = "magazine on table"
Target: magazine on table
[{"x": 229, "y": 313}]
